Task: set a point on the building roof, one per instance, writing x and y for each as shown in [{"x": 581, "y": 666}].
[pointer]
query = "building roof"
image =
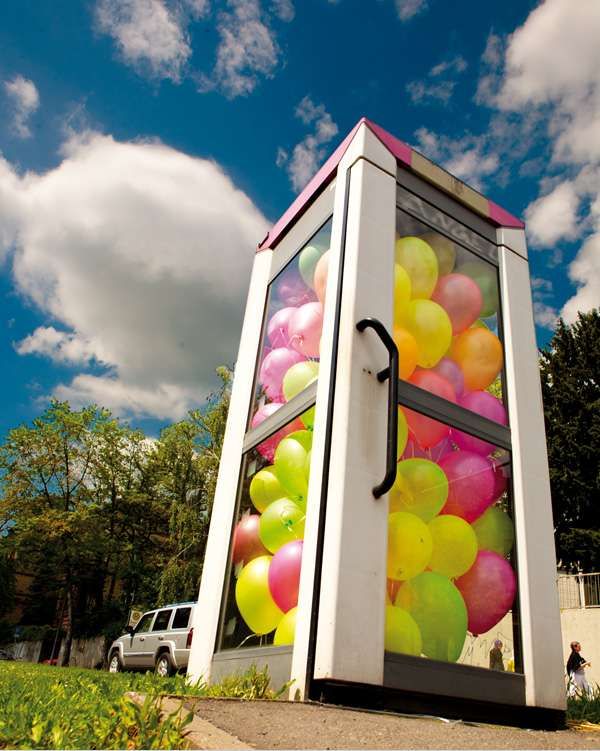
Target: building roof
[{"x": 407, "y": 158}]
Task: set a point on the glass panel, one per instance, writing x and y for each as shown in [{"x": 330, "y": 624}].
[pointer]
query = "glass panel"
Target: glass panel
[
  {"x": 446, "y": 312},
  {"x": 451, "y": 571},
  {"x": 144, "y": 625},
  {"x": 289, "y": 353},
  {"x": 162, "y": 620},
  {"x": 182, "y": 618},
  {"x": 266, "y": 552}
]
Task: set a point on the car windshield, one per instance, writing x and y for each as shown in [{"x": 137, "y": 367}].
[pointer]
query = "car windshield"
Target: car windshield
[{"x": 144, "y": 624}]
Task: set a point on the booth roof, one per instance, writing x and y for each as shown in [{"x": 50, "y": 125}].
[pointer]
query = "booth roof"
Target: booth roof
[{"x": 409, "y": 159}]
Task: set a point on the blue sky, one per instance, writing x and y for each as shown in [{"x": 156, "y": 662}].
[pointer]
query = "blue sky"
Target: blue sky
[{"x": 147, "y": 145}]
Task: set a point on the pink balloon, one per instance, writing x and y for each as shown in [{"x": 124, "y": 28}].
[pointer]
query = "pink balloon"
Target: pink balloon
[
  {"x": 471, "y": 484},
  {"x": 277, "y": 328},
  {"x": 292, "y": 290},
  {"x": 486, "y": 405},
  {"x": 284, "y": 575},
  {"x": 461, "y": 298},
  {"x": 267, "y": 448},
  {"x": 246, "y": 541},
  {"x": 488, "y": 589},
  {"x": 434, "y": 454},
  {"x": 451, "y": 371},
  {"x": 425, "y": 430},
  {"x": 501, "y": 467},
  {"x": 275, "y": 365},
  {"x": 305, "y": 327}
]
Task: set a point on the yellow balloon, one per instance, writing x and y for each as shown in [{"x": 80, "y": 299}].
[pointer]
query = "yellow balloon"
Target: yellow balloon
[
  {"x": 266, "y": 488},
  {"x": 409, "y": 546},
  {"x": 286, "y": 630},
  {"x": 444, "y": 249},
  {"x": 454, "y": 545},
  {"x": 428, "y": 322},
  {"x": 420, "y": 488},
  {"x": 402, "y": 292},
  {"x": 402, "y": 433},
  {"x": 401, "y": 632},
  {"x": 253, "y": 596},
  {"x": 283, "y": 521},
  {"x": 408, "y": 352},
  {"x": 420, "y": 263}
]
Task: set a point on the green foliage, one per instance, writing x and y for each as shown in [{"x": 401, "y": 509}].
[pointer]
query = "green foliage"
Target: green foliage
[
  {"x": 584, "y": 708},
  {"x": 253, "y": 684},
  {"x": 570, "y": 375}
]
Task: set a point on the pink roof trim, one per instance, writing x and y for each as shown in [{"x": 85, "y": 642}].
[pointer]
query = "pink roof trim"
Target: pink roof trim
[{"x": 403, "y": 154}]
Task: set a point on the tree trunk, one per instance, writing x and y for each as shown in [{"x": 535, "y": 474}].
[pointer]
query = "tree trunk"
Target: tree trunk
[{"x": 69, "y": 632}]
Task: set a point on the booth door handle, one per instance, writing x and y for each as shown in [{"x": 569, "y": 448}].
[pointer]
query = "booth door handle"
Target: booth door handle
[{"x": 390, "y": 372}]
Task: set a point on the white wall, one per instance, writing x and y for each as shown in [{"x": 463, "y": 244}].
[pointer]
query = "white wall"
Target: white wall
[{"x": 583, "y": 625}]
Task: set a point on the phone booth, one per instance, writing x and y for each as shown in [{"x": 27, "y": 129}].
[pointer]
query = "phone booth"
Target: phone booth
[{"x": 382, "y": 532}]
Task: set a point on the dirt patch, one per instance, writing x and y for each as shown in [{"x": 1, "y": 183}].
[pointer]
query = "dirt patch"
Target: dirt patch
[{"x": 285, "y": 725}]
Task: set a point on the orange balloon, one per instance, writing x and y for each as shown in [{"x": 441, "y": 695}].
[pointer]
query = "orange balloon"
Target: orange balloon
[
  {"x": 408, "y": 351},
  {"x": 479, "y": 353},
  {"x": 320, "y": 277}
]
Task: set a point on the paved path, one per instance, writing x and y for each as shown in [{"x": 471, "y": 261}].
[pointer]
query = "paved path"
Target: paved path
[{"x": 284, "y": 725}]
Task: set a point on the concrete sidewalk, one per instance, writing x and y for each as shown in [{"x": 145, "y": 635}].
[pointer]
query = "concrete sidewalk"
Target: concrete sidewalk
[{"x": 285, "y": 725}]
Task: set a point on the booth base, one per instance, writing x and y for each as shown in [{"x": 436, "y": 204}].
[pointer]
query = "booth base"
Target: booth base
[
  {"x": 383, "y": 698},
  {"x": 237, "y": 661}
]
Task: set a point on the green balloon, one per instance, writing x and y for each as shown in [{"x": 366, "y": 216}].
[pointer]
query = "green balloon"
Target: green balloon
[
  {"x": 440, "y": 613},
  {"x": 287, "y": 629},
  {"x": 290, "y": 459},
  {"x": 282, "y": 522},
  {"x": 486, "y": 278},
  {"x": 307, "y": 466},
  {"x": 304, "y": 438},
  {"x": 298, "y": 377},
  {"x": 307, "y": 261},
  {"x": 265, "y": 488},
  {"x": 253, "y": 596},
  {"x": 401, "y": 632},
  {"x": 494, "y": 530},
  {"x": 308, "y": 418},
  {"x": 421, "y": 488}
]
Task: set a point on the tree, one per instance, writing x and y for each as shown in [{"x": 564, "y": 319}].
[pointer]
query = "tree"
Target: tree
[{"x": 570, "y": 374}]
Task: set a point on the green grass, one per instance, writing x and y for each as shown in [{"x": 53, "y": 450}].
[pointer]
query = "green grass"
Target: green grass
[
  {"x": 47, "y": 707},
  {"x": 584, "y": 708}
]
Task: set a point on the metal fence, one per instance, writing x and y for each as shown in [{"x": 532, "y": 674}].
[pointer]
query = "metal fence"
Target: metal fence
[{"x": 579, "y": 591}]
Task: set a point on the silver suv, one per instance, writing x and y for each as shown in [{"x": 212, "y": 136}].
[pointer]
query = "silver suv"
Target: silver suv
[{"x": 160, "y": 640}]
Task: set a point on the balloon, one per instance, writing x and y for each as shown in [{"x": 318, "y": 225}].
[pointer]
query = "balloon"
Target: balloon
[
  {"x": 304, "y": 438},
  {"x": 434, "y": 453},
  {"x": 277, "y": 328},
  {"x": 286, "y": 630},
  {"x": 409, "y": 546},
  {"x": 402, "y": 433},
  {"x": 420, "y": 263},
  {"x": 304, "y": 329},
  {"x": 479, "y": 354},
  {"x": 495, "y": 531},
  {"x": 246, "y": 541},
  {"x": 426, "y": 430},
  {"x": 401, "y": 632},
  {"x": 471, "y": 484},
  {"x": 290, "y": 460},
  {"x": 489, "y": 589},
  {"x": 273, "y": 368},
  {"x": 407, "y": 351},
  {"x": 440, "y": 613},
  {"x": 291, "y": 289},
  {"x": 486, "y": 278},
  {"x": 449, "y": 370},
  {"x": 501, "y": 465},
  {"x": 280, "y": 523},
  {"x": 265, "y": 488},
  {"x": 460, "y": 297},
  {"x": 444, "y": 249},
  {"x": 402, "y": 293},
  {"x": 267, "y": 447},
  {"x": 307, "y": 261},
  {"x": 428, "y": 322},
  {"x": 320, "y": 277},
  {"x": 253, "y": 598},
  {"x": 308, "y": 418},
  {"x": 486, "y": 405},
  {"x": 391, "y": 590},
  {"x": 421, "y": 488},
  {"x": 298, "y": 377},
  {"x": 284, "y": 575},
  {"x": 454, "y": 545},
  {"x": 307, "y": 466}
]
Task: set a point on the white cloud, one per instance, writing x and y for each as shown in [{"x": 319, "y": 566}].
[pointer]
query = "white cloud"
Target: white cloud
[
  {"x": 431, "y": 88},
  {"x": 284, "y": 9},
  {"x": 149, "y": 35},
  {"x": 247, "y": 50},
  {"x": 545, "y": 315},
  {"x": 141, "y": 256},
  {"x": 309, "y": 153},
  {"x": 408, "y": 9},
  {"x": 26, "y": 99},
  {"x": 585, "y": 273},
  {"x": 455, "y": 65},
  {"x": 553, "y": 217}
]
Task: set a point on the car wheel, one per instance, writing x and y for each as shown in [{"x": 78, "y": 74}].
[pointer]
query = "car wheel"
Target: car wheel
[
  {"x": 114, "y": 664},
  {"x": 164, "y": 665}
]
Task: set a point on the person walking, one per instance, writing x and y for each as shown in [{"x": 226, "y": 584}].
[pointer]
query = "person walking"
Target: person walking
[
  {"x": 576, "y": 665},
  {"x": 496, "y": 661}
]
